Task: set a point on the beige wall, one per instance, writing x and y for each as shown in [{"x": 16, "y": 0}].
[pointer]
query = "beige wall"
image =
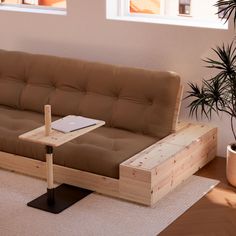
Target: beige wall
[
  {"x": 204, "y": 9},
  {"x": 85, "y": 33}
]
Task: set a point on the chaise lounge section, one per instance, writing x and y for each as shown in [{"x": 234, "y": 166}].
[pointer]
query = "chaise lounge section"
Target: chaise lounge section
[{"x": 139, "y": 155}]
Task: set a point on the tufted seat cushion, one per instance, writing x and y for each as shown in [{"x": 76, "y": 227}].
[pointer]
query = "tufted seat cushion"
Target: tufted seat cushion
[{"x": 99, "y": 152}]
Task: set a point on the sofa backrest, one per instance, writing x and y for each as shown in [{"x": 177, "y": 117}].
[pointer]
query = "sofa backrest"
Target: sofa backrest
[{"x": 128, "y": 98}]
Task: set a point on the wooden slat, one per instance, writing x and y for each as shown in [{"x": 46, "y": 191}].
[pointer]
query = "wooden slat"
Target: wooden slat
[
  {"x": 192, "y": 133},
  {"x": 159, "y": 153},
  {"x": 23, "y": 165},
  {"x": 98, "y": 183},
  {"x": 136, "y": 191},
  {"x": 144, "y": 153},
  {"x": 166, "y": 148},
  {"x": 170, "y": 183},
  {"x": 185, "y": 159},
  {"x": 177, "y": 109},
  {"x": 62, "y": 174},
  {"x": 135, "y": 173},
  {"x": 183, "y": 166},
  {"x": 182, "y": 125}
]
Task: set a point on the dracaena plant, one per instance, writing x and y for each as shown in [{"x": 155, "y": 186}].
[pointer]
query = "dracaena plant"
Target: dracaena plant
[{"x": 218, "y": 94}]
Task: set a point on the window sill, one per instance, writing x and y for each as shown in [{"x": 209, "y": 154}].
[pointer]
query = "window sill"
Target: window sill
[
  {"x": 217, "y": 24},
  {"x": 37, "y": 9}
]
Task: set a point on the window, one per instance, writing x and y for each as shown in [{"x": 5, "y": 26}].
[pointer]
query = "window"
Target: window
[
  {"x": 147, "y": 6},
  {"x": 184, "y": 7},
  {"x": 44, "y": 6},
  {"x": 51, "y": 3},
  {"x": 174, "y": 12}
]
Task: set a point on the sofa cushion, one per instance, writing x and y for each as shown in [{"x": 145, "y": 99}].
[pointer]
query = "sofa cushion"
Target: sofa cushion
[
  {"x": 100, "y": 151},
  {"x": 136, "y": 100}
]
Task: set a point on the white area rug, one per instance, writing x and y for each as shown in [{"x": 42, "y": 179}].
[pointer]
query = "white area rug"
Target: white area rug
[{"x": 94, "y": 215}]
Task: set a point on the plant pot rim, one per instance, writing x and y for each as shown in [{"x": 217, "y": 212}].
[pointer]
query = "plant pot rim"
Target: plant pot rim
[{"x": 229, "y": 147}]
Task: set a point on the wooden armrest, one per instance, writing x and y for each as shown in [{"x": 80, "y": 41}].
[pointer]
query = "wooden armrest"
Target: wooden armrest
[{"x": 169, "y": 162}]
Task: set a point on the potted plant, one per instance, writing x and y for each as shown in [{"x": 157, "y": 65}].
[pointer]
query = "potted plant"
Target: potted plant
[{"x": 218, "y": 94}]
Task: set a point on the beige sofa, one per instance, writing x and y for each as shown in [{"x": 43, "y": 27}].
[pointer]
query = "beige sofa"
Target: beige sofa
[{"x": 140, "y": 108}]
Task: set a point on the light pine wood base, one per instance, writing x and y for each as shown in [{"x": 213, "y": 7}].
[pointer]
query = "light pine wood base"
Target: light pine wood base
[{"x": 144, "y": 178}]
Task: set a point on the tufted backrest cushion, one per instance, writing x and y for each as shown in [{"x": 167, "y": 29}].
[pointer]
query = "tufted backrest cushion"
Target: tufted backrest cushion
[{"x": 128, "y": 98}]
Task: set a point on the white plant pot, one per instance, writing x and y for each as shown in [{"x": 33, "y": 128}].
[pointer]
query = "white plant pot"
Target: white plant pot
[{"x": 231, "y": 165}]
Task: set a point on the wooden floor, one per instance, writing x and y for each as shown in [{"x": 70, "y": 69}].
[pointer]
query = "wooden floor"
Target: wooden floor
[{"x": 215, "y": 213}]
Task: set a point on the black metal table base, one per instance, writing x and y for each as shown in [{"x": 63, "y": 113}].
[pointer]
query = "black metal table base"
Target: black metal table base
[{"x": 58, "y": 199}]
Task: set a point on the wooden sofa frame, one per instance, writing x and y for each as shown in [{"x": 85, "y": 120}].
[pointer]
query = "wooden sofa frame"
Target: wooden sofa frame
[
  {"x": 147, "y": 176},
  {"x": 143, "y": 178}
]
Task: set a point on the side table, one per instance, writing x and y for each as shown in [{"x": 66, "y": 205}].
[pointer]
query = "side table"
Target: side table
[{"x": 56, "y": 199}]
